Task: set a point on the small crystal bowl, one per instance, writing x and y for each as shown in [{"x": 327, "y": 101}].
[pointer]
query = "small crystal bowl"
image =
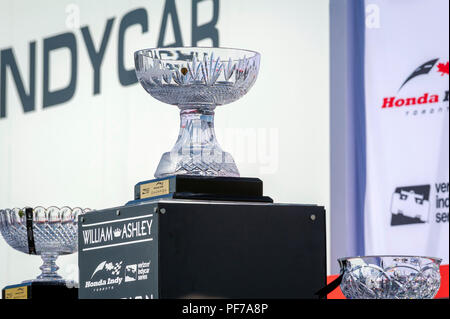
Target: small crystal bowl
[
  {"x": 390, "y": 277},
  {"x": 55, "y": 233}
]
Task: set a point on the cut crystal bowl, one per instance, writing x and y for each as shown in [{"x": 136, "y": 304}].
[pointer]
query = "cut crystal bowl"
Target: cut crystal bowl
[
  {"x": 197, "y": 80},
  {"x": 54, "y": 232},
  {"x": 390, "y": 277}
]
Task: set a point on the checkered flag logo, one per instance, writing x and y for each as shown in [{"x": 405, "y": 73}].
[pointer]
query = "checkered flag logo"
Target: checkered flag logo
[{"x": 116, "y": 269}]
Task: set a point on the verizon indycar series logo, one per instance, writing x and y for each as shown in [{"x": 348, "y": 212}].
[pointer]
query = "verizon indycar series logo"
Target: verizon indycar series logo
[
  {"x": 435, "y": 70},
  {"x": 410, "y": 205},
  {"x": 131, "y": 273}
]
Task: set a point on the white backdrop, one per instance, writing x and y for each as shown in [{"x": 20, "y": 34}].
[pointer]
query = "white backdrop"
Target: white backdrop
[{"x": 92, "y": 150}]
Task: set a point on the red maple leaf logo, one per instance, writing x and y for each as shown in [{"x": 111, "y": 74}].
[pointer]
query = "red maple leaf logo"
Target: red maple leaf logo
[{"x": 443, "y": 68}]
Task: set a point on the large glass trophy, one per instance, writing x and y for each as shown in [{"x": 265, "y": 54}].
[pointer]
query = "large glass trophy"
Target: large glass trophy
[
  {"x": 197, "y": 80},
  {"x": 199, "y": 229}
]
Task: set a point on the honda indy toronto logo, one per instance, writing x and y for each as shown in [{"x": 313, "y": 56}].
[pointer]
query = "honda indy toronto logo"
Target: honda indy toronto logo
[
  {"x": 428, "y": 100},
  {"x": 106, "y": 276},
  {"x": 410, "y": 205}
]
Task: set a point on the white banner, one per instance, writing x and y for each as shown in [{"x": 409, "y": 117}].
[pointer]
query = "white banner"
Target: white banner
[{"x": 407, "y": 128}]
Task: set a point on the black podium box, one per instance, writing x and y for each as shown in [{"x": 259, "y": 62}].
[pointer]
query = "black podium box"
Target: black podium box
[{"x": 172, "y": 248}]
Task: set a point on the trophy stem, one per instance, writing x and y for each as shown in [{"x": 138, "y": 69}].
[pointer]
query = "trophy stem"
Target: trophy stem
[
  {"x": 49, "y": 268},
  {"x": 197, "y": 151},
  {"x": 196, "y": 128}
]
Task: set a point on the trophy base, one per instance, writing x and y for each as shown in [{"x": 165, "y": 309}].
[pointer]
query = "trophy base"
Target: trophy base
[
  {"x": 40, "y": 290},
  {"x": 172, "y": 163},
  {"x": 217, "y": 188}
]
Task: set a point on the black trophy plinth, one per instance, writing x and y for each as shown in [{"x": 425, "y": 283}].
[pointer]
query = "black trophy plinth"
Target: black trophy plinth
[
  {"x": 40, "y": 290},
  {"x": 191, "y": 237},
  {"x": 201, "y": 188}
]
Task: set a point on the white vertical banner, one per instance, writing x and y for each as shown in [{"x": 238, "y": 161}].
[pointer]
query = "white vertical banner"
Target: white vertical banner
[{"x": 407, "y": 127}]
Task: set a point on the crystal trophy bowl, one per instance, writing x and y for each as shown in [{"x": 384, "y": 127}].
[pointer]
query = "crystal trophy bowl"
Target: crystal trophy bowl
[
  {"x": 46, "y": 232},
  {"x": 197, "y": 80},
  {"x": 390, "y": 277}
]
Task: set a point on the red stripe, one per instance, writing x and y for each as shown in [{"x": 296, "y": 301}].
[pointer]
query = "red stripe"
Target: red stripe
[
  {"x": 336, "y": 293},
  {"x": 442, "y": 293}
]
